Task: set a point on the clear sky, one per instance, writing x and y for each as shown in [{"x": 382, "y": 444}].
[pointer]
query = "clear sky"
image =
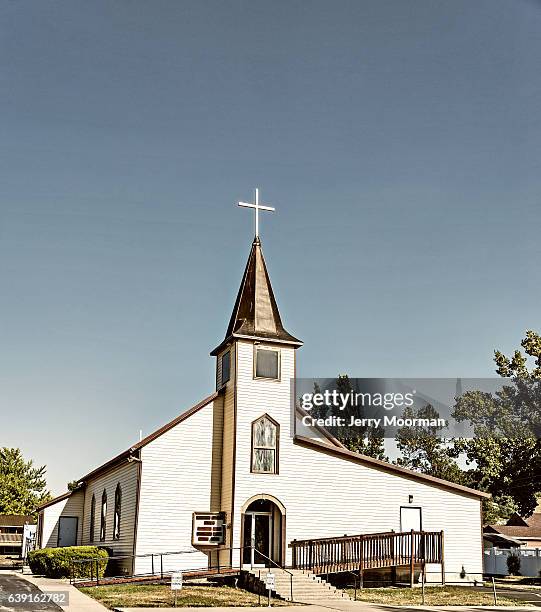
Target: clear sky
[{"x": 399, "y": 142}]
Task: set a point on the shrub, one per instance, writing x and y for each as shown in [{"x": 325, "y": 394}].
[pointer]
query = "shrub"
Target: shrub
[
  {"x": 57, "y": 562},
  {"x": 513, "y": 564}
]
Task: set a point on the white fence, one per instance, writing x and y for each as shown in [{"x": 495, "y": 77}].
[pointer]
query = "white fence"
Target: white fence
[{"x": 496, "y": 561}]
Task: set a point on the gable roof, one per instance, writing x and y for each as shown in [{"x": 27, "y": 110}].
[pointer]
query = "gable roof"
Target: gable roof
[
  {"x": 518, "y": 527},
  {"x": 55, "y": 500},
  {"x": 343, "y": 453},
  {"x": 255, "y": 314},
  {"x": 514, "y": 531}
]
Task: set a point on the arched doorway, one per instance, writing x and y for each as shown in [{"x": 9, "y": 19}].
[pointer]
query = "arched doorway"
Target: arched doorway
[{"x": 263, "y": 531}]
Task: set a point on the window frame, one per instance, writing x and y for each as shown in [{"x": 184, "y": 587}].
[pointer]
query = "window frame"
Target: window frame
[
  {"x": 259, "y": 347},
  {"x": 103, "y": 517},
  {"x": 92, "y": 531},
  {"x": 276, "y": 448},
  {"x": 117, "y": 512}
]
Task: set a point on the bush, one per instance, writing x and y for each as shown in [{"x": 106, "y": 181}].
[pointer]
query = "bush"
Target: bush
[
  {"x": 57, "y": 562},
  {"x": 513, "y": 565}
]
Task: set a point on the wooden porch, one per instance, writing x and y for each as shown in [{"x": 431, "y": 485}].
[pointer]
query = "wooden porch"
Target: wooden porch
[{"x": 370, "y": 551}]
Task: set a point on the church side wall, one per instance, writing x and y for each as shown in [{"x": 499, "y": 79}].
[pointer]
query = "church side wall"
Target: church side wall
[
  {"x": 72, "y": 506},
  {"x": 126, "y": 475},
  {"x": 176, "y": 480},
  {"x": 325, "y": 495},
  {"x": 228, "y": 441}
]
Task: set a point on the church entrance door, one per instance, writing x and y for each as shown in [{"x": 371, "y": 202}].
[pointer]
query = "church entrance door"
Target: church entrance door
[{"x": 257, "y": 538}]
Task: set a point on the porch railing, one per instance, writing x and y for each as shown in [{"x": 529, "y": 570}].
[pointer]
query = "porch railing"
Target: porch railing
[{"x": 368, "y": 551}]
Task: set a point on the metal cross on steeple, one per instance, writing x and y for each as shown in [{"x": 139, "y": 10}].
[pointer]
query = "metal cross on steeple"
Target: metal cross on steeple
[{"x": 257, "y": 207}]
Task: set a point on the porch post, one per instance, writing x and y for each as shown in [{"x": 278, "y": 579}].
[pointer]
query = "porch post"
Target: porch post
[{"x": 412, "y": 559}]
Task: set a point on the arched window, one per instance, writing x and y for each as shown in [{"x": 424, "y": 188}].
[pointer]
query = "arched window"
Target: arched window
[
  {"x": 265, "y": 439},
  {"x": 103, "y": 521},
  {"x": 116, "y": 519},
  {"x": 92, "y": 517}
]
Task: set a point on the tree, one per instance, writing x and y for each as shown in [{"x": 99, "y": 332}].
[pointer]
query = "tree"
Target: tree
[
  {"x": 423, "y": 450},
  {"x": 504, "y": 457},
  {"x": 73, "y": 485},
  {"x": 365, "y": 440},
  {"x": 360, "y": 439},
  {"x": 505, "y": 454},
  {"x": 22, "y": 486}
]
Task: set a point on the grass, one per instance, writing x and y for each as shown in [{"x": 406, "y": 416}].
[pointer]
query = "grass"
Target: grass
[
  {"x": 161, "y": 596},
  {"x": 434, "y": 596}
]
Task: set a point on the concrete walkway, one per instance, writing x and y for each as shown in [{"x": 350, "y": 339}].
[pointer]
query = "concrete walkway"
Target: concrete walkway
[
  {"x": 78, "y": 602},
  {"x": 348, "y": 606}
]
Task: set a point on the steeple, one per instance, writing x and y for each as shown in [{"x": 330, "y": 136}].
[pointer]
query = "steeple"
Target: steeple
[{"x": 255, "y": 314}]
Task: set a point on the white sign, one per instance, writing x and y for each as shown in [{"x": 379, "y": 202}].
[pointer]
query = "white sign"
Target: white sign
[
  {"x": 208, "y": 529},
  {"x": 270, "y": 582},
  {"x": 176, "y": 581}
]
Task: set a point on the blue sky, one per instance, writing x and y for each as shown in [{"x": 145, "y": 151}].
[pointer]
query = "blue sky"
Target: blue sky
[{"x": 399, "y": 142}]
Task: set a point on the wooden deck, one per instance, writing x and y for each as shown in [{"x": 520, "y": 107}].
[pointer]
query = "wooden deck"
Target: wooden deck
[{"x": 358, "y": 553}]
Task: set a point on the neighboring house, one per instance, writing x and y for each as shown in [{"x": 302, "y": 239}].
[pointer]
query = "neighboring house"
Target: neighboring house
[
  {"x": 240, "y": 456},
  {"x": 517, "y": 531},
  {"x": 11, "y": 533}
]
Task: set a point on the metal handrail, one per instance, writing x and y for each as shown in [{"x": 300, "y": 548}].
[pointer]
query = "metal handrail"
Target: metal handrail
[
  {"x": 152, "y": 556},
  {"x": 161, "y": 574},
  {"x": 279, "y": 567}
]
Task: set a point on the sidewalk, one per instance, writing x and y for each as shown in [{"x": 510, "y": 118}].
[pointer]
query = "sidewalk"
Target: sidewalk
[
  {"x": 349, "y": 606},
  {"x": 78, "y": 602}
]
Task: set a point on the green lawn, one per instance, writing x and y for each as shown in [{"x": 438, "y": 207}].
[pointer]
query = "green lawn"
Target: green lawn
[
  {"x": 161, "y": 596},
  {"x": 434, "y": 596}
]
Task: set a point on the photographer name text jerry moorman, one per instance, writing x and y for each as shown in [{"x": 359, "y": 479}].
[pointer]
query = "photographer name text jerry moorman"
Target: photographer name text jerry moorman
[{"x": 353, "y": 421}]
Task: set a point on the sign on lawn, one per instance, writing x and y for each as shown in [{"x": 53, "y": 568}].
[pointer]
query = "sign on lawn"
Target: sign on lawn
[
  {"x": 208, "y": 528},
  {"x": 176, "y": 581},
  {"x": 270, "y": 582}
]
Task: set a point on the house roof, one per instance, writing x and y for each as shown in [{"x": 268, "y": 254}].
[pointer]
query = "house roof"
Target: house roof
[
  {"x": 255, "y": 314},
  {"x": 515, "y": 532},
  {"x": 498, "y": 539},
  {"x": 55, "y": 500},
  {"x": 15, "y": 520},
  {"x": 385, "y": 466},
  {"x": 524, "y": 528}
]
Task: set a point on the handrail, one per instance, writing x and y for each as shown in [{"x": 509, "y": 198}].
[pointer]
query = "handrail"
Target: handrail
[
  {"x": 369, "y": 551},
  {"x": 365, "y": 536},
  {"x": 161, "y": 574},
  {"x": 279, "y": 567}
]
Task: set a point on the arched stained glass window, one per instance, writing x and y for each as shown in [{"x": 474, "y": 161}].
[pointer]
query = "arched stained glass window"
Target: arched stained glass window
[
  {"x": 265, "y": 436},
  {"x": 92, "y": 517},
  {"x": 103, "y": 521},
  {"x": 116, "y": 519}
]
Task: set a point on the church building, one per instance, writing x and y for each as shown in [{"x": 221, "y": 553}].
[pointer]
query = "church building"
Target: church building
[{"x": 236, "y": 480}]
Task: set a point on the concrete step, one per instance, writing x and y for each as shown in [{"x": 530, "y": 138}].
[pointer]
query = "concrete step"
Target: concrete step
[{"x": 306, "y": 586}]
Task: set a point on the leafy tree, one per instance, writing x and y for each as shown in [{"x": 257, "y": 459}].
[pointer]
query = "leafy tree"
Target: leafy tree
[
  {"x": 365, "y": 440},
  {"x": 423, "y": 450},
  {"x": 505, "y": 455},
  {"x": 22, "y": 486},
  {"x": 73, "y": 485},
  {"x": 360, "y": 439}
]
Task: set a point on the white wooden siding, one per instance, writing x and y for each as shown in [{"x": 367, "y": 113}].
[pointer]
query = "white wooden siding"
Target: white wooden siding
[
  {"x": 126, "y": 475},
  {"x": 71, "y": 506},
  {"x": 326, "y": 495},
  {"x": 175, "y": 482}
]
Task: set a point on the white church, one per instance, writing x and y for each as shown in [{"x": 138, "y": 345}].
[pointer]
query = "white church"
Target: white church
[{"x": 236, "y": 474}]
